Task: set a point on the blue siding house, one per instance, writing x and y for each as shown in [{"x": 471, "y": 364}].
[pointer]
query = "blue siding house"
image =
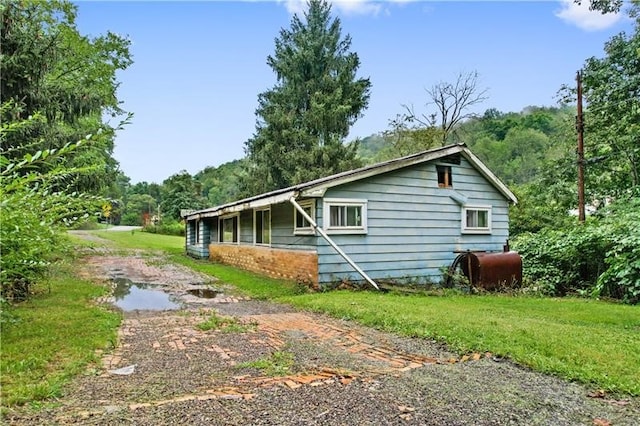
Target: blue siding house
[{"x": 401, "y": 220}]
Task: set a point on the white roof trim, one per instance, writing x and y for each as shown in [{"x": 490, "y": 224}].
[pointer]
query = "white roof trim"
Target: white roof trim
[
  {"x": 240, "y": 206},
  {"x": 475, "y": 161}
]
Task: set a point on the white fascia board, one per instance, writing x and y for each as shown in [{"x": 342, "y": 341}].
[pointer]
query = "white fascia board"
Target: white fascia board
[
  {"x": 475, "y": 161},
  {"x": 254, "y": 204},
  {"x": 314, "y": 190}
]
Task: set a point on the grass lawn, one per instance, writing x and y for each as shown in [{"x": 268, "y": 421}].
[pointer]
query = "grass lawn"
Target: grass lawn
[
  {"x": 52, "y": 337},
  {"x": 144, "y": 240},
  {"x": 578, "y": 339}
]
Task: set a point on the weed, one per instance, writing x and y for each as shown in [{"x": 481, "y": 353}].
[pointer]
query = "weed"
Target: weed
[
  {"x": 277, "y": 364},
  {"x": 225, "y": 324}
]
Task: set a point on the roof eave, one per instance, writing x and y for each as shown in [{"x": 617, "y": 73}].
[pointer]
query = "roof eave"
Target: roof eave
[
  {"x": 488, "y": 174},
  {"x": 240, "y": 206}
]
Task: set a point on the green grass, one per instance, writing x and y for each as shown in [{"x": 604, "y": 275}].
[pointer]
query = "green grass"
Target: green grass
[
  {"x": 254, "y": 285},
  {"x": 54, "y": 337},
  {"x": 144, "y": 240},
  {"x": 277, "y": 364},
  {"x": 585, "y": 340},
  {"x": 225, "y": 324}
]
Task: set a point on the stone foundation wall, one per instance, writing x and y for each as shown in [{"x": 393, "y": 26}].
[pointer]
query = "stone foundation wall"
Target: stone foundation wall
[{"x": 277, "y": 263}]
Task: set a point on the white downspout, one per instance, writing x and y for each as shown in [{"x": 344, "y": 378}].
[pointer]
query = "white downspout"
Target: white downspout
[{"x": 324, "y": 235}]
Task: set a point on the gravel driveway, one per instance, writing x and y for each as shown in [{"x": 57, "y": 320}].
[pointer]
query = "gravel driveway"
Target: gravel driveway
[{"x": 336, "y": 372}]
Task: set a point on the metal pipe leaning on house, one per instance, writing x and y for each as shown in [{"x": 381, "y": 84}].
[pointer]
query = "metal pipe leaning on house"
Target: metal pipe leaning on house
[{"x": 324, "y": 235}]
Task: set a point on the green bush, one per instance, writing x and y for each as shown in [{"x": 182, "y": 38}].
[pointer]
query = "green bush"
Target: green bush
[
  {"x": 600, "y": 257},
  {"x": 562, "y": 262},
  {"x": 131, "y": 219},
  {"x": 622, "y": 278},
  {"x": 34, "y": 208},
  {"x": 166, "y": 228}
]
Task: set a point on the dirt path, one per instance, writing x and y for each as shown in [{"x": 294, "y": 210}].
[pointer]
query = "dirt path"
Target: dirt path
[{"x": 335, "y": 372}]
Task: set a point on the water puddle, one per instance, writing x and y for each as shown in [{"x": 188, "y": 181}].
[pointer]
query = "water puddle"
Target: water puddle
[
  {"x": 205, "y": 293},
  {"x": 131, "y": 296}
]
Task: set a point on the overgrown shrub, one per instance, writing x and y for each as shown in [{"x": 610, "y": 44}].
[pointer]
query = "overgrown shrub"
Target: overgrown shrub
[
  {"x": 600, "y": 257},
  {"x": 169, "y": 227},
  {"x": 622, "y": 278},
  {"x": 131, "y": 219},
  {"x": 34, "y": 207}
]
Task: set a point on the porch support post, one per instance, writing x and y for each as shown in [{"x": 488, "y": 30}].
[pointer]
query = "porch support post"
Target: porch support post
[{"x": 324, "y": 235}]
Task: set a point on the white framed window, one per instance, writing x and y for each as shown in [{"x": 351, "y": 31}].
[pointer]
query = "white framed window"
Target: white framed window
[
  {"x": 262, "y": 226},
  {"x": 301, "y": 226},
  {"x": 197, "y": 230},
  {"x": 345, "y": 216},
  {"x": 476, "y": 219},
  {"x": 229, "y": 229}
]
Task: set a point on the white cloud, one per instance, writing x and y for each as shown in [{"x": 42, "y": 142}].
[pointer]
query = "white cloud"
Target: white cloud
[
  {"x": 294, "y": 6},
  {"x": 588, "y": 20},
  {"x": 347, "y": 7}
]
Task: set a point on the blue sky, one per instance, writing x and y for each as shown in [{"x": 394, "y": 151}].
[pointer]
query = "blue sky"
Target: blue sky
[{"x": 199, "y": 66}]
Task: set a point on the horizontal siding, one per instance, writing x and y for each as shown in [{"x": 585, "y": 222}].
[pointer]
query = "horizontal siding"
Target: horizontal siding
[
  {"x": 282, "y": 235},
  {"x": 200, "y": 251},
  {"x": 414, "y": 227}
]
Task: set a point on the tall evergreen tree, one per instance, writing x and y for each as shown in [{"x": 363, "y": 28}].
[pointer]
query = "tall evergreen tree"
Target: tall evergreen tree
[{"x": 303, "y": 120}]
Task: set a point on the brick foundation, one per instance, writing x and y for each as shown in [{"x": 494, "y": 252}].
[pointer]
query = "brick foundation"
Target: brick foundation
[{"x": 277, "y": 263}]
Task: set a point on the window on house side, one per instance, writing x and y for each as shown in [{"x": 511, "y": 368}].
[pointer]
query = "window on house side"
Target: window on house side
[
  {"x": 228, "y": 229},
  {"x": 476, "y": 220},
  {"x": 263, "y": 226},
  {"x": 345, "y": 216},
  {"x": 444, "y": 176},
  {"x": 197, "y": 231},
  {"x": 302, "y": 225}
]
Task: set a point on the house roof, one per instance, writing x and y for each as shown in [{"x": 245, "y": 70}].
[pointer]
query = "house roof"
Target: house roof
[{"x": 317, "y": 187}]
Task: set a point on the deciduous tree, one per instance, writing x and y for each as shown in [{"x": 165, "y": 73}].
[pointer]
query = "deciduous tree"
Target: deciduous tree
[
  {"x": 452, "y": 102},
  {"x": 612, "y": 116},
  {"x": 48, "y": 67}
]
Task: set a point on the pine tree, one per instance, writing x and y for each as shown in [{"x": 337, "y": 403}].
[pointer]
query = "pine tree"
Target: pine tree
[{"x": 303, "y": 120}]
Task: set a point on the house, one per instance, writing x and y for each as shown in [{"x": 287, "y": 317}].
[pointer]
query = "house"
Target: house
[{"x": 402, "y": 220}]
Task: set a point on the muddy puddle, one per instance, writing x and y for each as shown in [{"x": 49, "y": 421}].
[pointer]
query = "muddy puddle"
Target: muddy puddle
[
  {"x": 131, "y": 296},
  {"x": 204, "y": 293}
]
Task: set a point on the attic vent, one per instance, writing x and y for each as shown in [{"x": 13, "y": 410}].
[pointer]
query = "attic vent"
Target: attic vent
[
  {"x": 444, "y": 176},
  {"x": 451, "y": 159}
]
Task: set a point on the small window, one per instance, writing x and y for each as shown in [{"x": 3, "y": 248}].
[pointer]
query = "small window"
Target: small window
[
  {"x": 345, "y": 216},
  {"x": 197, "y": 230},
  {"x": 444, "y": 176},
  {"x": 302, "y": 225},
  {"x": 262, "y": 221},
  {"x": 228, "y": 229},
  {"x": 476, "y": 220}
]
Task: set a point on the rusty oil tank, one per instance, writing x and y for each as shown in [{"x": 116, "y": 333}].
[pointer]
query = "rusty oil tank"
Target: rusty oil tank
[{"x": 491, "y": 271}]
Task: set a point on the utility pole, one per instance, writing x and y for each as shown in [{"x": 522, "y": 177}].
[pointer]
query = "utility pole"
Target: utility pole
[{"x": 580, "y": 129}]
